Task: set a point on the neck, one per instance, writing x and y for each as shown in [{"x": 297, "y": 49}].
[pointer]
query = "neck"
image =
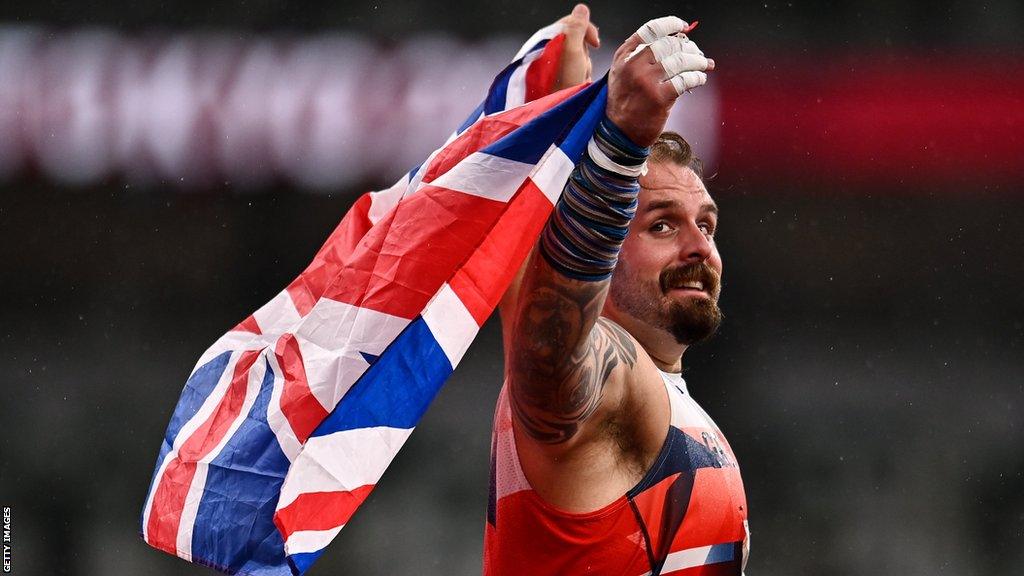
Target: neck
[{"x": 661, "y": 346}]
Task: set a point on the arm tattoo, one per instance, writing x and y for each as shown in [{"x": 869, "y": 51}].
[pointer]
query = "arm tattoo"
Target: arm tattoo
[
  {"x": 560, "y": 374},
  {"x": 562, "y": 354}
]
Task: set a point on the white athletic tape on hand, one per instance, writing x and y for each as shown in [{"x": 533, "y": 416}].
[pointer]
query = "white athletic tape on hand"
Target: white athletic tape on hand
[
  {"x": 688, "y": 81},
  {"x": 602, "y": 160},
  {"x": 635, "y": 51},
  {"x": 665, "y": 47},
  {"x": 680, "y": 62},
  {"x": 660, "y": 27}
]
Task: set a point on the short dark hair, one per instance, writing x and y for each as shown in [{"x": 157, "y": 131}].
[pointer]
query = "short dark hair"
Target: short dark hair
[{"x": 672, "y": 147}]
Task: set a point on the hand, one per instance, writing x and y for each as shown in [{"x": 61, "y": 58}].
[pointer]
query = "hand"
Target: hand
[
  {"x": 649, "y": 71},
  {"x": 580, "y": 36}
]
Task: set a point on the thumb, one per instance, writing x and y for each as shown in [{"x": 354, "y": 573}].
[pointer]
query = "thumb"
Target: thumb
[{"x": 576, "y": 24}]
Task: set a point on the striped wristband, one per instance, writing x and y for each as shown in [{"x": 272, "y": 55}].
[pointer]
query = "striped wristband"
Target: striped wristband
[
  {"x": 584, "y": 234},
  {"x": 612, "y": 150}
]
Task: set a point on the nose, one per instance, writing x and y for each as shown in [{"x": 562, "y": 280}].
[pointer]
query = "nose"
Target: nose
[{"x": 694, "y": 245}]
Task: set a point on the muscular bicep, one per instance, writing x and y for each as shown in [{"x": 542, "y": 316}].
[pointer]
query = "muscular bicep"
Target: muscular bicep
[{"x": 566, "y": 364}]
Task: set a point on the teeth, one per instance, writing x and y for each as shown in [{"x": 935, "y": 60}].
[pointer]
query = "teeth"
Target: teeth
[{"x": 694, "y": 285}]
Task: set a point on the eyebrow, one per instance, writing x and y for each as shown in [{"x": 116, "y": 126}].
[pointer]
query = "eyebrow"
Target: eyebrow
[
  {"x": 669, "y": 203},
  {"x": 659, "y": 204}
]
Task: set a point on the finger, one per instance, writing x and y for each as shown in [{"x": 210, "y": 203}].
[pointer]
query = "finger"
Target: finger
[
  {"x": 675, "y": 64},
  {"x": 649, "y": 32},
  {"x": 576, "y": 24},
  {"x": 592, "y": 37},
  {"x": 685, "y": 82},
  {"x": 660, "y": 27},
  {"x": 668, "y": 45}
]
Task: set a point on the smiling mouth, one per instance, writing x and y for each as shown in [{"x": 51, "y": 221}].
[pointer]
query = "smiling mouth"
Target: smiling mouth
[
  {"x": 694, "y": 285},
  {"x": 689, "y": 287},
  {"x": 690, "y": 281}
]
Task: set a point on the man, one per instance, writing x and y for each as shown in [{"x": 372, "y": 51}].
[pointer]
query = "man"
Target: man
[{"x": 601, "y": 461}]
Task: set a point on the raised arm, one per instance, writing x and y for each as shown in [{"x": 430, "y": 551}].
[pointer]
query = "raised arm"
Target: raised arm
[
  {"x": 565, "y": 365},
  {"x": 574, "y": 69}
]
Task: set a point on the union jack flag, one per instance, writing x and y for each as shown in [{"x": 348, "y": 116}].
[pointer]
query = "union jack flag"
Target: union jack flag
[{"x": 289, "y": 420}]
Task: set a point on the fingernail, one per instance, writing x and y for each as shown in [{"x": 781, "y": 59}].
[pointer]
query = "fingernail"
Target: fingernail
[{"x": 711, "y": 64}]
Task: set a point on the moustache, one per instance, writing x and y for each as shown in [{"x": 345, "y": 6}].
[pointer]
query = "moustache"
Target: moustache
[{"x": 700, "y": 272}]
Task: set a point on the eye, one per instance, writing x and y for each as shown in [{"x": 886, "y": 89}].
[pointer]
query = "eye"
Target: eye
[
  {"x": 707, "y": 228},
  {"x": 659, "y": 227}
]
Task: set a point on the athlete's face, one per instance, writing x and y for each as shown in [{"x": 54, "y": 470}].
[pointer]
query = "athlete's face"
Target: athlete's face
[{"x": 669, "y": 270}]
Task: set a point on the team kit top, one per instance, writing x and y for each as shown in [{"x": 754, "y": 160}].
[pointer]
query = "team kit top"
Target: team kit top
[{"x": 686, "y": 517}]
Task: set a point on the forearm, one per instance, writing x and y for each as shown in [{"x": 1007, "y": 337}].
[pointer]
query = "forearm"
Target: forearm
[
  {"x": 584, "y": 234},
  {"x": 559, "y": 361}
]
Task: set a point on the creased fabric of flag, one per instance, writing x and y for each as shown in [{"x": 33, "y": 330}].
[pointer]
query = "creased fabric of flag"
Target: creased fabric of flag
[{"x": 289, "y": 420}]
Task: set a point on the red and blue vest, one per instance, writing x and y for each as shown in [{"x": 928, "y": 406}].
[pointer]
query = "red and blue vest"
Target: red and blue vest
[{"x": 686, "y": 517}]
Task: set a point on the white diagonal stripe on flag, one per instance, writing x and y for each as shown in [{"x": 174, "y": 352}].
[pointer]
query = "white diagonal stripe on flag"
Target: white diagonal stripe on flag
[
  {"x": 546, "y": 33},
  {"x": 515, "y": 94},
  {"x": 485, "y": 176},
  {"x": 277, "y": 316},
  {"x": 552, "y": 173},
  {"x": 384, "y": 201},
  {"x": 234, "y": 341},
  {"x": 451, "y": 323},
  {"x": 342, "y": 461},
  {"x": 304, "y": 541},
  {"x": 278, "y": 422},
  {"x": 333, "y": 342}
]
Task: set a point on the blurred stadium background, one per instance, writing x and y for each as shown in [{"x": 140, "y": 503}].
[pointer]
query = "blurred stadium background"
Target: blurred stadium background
[{"x": 167, "y": 168}]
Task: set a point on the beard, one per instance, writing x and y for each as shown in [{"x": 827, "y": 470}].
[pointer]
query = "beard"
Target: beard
[{"x": 690, "y": 320}]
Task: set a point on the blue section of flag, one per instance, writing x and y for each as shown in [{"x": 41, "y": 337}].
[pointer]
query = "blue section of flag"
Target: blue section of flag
[
  {"x": 396, "y": 390},
  {"x": 234, "y": 524},
  {"x": 303, "y": 561},
  {"x": 540, "y": 44},
  {"x": 576, "y": 140},
  {"x": 498, "y": 94},
  {"x": 528, "y": 143}
]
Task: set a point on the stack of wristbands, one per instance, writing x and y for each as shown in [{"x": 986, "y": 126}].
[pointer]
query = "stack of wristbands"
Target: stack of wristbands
[{"x": 591, "y": 220}]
